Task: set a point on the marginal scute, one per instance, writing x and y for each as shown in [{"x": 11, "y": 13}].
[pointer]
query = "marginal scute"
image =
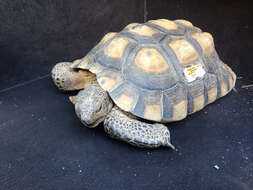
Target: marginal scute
[
  {"x": 153, "y": 112},
  {"x": 82, "y": 64},
  {"x": 107, "y": 37},
  {"x": 107, "y": 83},
  {"x": 164, "y": 23},
  {"x": 231, "y": 82},
  {"x": 184, "y": 51},
  {"x": 142, "y": 30},
  {"x": 179, "y": 110},
  {"x": 205, "y": 40},
  {"x": 125, "y": 102},
  {"x": 212, "y": 94},
  {"x": 96, "y": 69},
  {"x": 184, "y": 22},
  {"x": 116, "y": 48},
  {"x": 75, "y": 63},
  {"x": 150, "y": 60},
  {"x": 129, "y": 26},
  {"x": 223, "y": 89},
  {"x": 109, "y": 80},
  {"x": 198, "y": 103}
]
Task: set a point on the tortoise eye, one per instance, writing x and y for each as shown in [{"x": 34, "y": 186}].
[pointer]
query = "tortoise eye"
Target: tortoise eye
[{"x": 100, "y": 108}]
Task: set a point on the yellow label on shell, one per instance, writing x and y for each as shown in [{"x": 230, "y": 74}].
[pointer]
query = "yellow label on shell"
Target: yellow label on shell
[{"x": 193, "y": 72}]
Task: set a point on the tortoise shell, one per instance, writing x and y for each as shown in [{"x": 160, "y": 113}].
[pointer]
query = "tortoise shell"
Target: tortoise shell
[{"x": 160, "y": 70}]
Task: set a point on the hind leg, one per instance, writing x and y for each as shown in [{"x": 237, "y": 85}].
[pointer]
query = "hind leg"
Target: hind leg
[{"x": 66, "y": 78}]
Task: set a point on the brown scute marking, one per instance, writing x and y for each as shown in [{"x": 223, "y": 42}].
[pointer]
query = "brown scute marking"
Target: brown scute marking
[
  {"x": 198, "y": 103},
  {"x": 212, "y": 94},
  {"x": 185, "y": 52},
  {"x": 179, "y": 111},
  {"x": 153, "y": 112},
  {"x": 130, "y": 26},
  {"x": 150, "y": 60},
  {"x": 116, "y": 48},
  {"x": 96, "y": 69},
  {"x": 107, "y": 83},
  {"x": 73, "y": 99},
  {"x": 231, "y": 82},
  {"x": 109, "y": 80},
  {"x": 205, "y": 40},
  {"x": 184, "y": 22},
  {"x": 164, "y": 23},
  {"x": 75, "y": 63},
  {"x": 83, "y": 64},
  {"x": 197, "y": 28},
  {"x": 142, "y": 30},
  {"x": 233, "y": 75},
  {"x": 107, "y": 37},
  {"x": 223, "y": 89},
  {"x": 125, "y": 102}
]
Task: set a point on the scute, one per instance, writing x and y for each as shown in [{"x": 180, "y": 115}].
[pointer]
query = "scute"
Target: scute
[
  {"x": 164, "y": 23},
  {"x": 184, "y": 51},
  {"x": 109, "y": 79},
  {"x": 116, "y": 48},
  {"x": 144, "y": 68},
  {"x": 149, "y": 68},
  {"x": 205, "y": 40},
  {"x": 184, "y": 22},
  {"x": 107, "y": 37},
  {"x": 142, "y": 30},
  {"x": 150, "y": 60}
]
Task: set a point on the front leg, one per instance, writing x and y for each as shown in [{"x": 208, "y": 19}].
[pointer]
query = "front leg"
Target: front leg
[
  {"x": 67, "y": 79},
  {"x": 123, "y": 126}
]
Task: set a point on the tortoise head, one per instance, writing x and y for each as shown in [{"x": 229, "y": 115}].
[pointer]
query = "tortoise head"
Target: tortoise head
[{"x": 92, "y": 105}]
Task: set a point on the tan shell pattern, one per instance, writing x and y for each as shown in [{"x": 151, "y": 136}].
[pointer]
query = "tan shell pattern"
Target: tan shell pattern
[{"x": 144, "y": 69}]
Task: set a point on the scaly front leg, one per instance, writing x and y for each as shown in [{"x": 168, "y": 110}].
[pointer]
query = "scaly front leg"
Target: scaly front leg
[{"x": 123, "y": 126}]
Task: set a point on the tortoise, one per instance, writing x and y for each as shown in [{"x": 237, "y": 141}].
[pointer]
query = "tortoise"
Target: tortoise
[{"x": 144, "y": 76}]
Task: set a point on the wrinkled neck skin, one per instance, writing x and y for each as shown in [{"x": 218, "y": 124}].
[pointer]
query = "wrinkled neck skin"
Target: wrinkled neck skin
[{"x": 92, "y": 105}]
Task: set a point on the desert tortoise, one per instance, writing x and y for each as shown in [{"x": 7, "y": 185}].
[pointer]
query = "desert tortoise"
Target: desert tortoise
[{"x": 156, "y": 72}]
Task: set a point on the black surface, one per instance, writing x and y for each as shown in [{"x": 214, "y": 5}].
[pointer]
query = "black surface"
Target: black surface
[
  {"x": 35, "y": 34},
  {"x": 42, "y": 143},
  {"x": 43, "y": 146}
]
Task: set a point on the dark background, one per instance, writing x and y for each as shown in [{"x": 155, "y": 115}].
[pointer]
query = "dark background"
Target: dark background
[{"x": 42, "y": 143}]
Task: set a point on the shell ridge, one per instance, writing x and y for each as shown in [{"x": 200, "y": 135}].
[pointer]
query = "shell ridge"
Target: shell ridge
[
  {"x": 165, "y": 31},
  {"x": 128, "y": 35}
]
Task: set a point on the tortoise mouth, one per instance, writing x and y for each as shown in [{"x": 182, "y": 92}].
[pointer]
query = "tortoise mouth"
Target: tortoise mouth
[{"x": 93, "y": 124}]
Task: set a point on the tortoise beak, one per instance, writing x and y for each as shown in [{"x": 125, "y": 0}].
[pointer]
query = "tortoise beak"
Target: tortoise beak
[{"x": 88, "y": 120}]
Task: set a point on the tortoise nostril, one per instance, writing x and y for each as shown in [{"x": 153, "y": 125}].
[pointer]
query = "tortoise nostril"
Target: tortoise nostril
[
  {"x": 87, "y": 118},
  {"x": 100, "y": 108}
]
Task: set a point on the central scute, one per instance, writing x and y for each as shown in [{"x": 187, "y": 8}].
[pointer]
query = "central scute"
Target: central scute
[
  {"x": 150, "y": 60},
  {"x": 149, "y": 68}
]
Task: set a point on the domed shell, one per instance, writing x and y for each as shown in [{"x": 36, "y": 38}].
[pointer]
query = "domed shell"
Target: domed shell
[{"x": 161, "y": 70}]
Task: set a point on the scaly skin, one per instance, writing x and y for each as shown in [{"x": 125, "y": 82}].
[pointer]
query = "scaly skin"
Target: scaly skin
[
  {"x": 122, "y": 126},
  {"x": 66, "y": 78},
  {"x": 92, "y": 105}
]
